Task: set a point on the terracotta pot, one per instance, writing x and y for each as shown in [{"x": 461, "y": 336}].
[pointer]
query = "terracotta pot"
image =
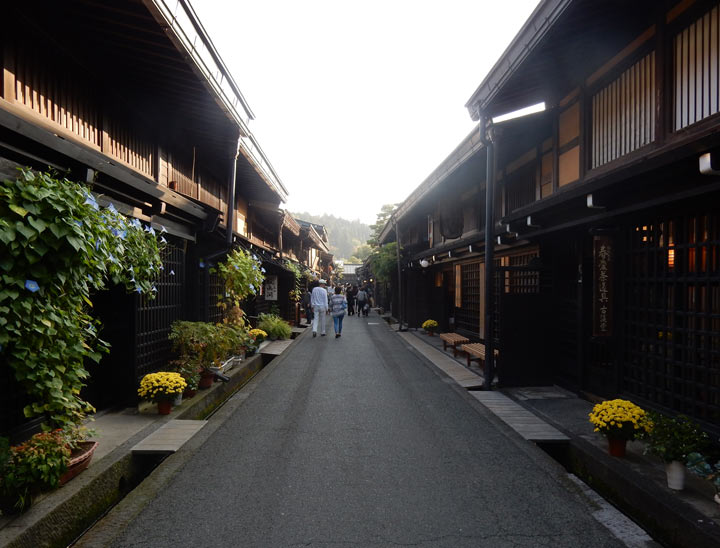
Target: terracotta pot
[
  {"x": 164, "y": 407},
  {"x": 79, "y": 460},
  {"x": 206, "y": 379},
  {"x": 189, "y": 393},
  {"x": 617, "y": 447},
  {"x": 430, "y": 333}
]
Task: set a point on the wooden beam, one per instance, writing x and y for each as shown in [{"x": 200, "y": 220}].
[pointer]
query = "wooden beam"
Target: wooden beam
[
  {"x": 627, "y": 50},
  {"x": 96, "y": 161},
  {"x": 9, "y": 73}
]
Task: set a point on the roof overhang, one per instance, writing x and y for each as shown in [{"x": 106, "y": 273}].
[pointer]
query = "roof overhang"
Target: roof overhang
[
  {"x": 462, "y": 153},
  {"x": 559, "y": 46}
]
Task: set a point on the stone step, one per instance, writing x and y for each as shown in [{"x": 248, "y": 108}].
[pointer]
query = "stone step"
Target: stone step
[
  {"x": 525, "y": 423},
  {"x": 170, "y": 437}
]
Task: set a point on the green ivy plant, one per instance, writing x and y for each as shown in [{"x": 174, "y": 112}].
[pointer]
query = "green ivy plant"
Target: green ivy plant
[
  {"x": 57, "y": 246},
  {"x": 296, "y": 292}
]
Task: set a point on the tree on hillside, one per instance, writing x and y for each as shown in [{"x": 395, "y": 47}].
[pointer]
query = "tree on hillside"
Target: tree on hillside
[
  {"x": 382, "y": 219},
  {"x": 344, "y": 236},
  {"x": 361, "y": 253}
]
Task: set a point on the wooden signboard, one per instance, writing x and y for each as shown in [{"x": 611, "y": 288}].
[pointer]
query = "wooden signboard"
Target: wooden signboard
[
  {"x": 271, "y": 288},
  {"x": 602, "y": 286}
]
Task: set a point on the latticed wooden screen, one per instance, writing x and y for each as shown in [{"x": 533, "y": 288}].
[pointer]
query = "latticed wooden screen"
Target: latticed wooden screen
[
  {"x": 623, "y": 113},
  {"x": 215, "y": 290},
  {"x": 672, "y": 318},
  {"x": 467, "y": 316},
  {"x": 696, "y": 79},
  {"x": 153, "y": 318}
]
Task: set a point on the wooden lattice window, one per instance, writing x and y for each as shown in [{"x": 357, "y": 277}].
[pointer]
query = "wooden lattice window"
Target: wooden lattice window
[
  {"x": 623, "y": 113},
  {"x": 696, "y": 55},
  {"x": 672, "y": 316},
  {"x": 154, "y": 317},
  {"x": 467, "y": 317}
]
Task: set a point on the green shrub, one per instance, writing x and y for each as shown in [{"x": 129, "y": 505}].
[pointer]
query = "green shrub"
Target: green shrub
[{"x": 274, "y": 326}]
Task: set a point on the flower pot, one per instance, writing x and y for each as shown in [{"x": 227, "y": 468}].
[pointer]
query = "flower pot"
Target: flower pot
[
  {"x": 430, "y": 333},
  {"x": 716, "y": 498},
  {"x": 164, "y": 407},
  {"x": 617, "y": 447},
  {"x": 189, "y": 393},
  {"x": 675, "y": 472},
  {"x": 79, "y": 460},
  {"x": 206, "y": 379},
  {"x": 178, "y": 399}
]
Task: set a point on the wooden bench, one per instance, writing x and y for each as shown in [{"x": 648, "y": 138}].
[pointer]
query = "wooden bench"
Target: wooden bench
[
  {"x": 476, "y": 351},
  {"x": 453, "y": 339}
]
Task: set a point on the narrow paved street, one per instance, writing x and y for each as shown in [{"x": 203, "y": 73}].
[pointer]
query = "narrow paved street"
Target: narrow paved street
[{"x": 356, "y": 441}]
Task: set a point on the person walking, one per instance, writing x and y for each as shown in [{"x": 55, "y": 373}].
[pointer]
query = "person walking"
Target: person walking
[
  {"x": 319, "y": 302},
  {"x": 338, "y": 304},
  {"x": 350, "y": 300},
  {"x": 362, "y": 300},
  {"x": 307, "y": 306}
]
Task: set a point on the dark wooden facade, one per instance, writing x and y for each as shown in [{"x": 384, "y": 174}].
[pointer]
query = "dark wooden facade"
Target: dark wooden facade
[
  {"x": 606, "y": 242},
  {"x": 139, "y": 103}
]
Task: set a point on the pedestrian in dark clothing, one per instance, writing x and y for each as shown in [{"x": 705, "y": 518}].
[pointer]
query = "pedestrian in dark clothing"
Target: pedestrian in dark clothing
[
  {"x": 362, "y": 303},
  {"x": 308, "y": 307},
  {"x": 350, "y": 300}
]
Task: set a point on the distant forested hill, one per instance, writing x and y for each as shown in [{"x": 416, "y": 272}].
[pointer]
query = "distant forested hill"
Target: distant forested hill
[{"x": 343, "y": 235}]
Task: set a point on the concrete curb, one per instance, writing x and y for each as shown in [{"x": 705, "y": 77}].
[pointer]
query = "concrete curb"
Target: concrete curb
[{"x": 668, "y": 519}]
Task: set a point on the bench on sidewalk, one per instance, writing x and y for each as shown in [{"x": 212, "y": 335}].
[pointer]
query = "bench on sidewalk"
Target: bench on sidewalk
[
  {"x": 453, "y": 339},
  {"x": 476, "y": 352}
]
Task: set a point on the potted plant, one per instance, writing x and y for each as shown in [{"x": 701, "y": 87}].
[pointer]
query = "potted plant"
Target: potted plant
[
  {"x": 243, "y": 275},
  {"x": 673, "y": 439},
  {"x": 81, "y": 450},
  {"x": 698, "y": 464},
  {"x": 190, "y": 372},
  {"x": 274, "y": 326},
  {"x": 31, "y": 467},
  {"x": 162, "y": 388},
  {"x": 430, "y": 326},
  {"x": 196, "y": 344},
  {"x": 619, "y": 421},
  {"x": 258, "y": 336}
]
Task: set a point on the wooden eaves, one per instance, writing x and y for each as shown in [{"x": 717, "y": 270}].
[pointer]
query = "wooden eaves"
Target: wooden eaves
[{"x": 467, "y": 148}]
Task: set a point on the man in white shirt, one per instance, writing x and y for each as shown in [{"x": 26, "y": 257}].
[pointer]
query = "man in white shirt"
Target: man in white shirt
[{"x": 319, "y": 303}]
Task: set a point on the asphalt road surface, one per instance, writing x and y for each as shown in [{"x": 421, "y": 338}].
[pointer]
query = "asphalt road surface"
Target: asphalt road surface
[{"x": 358, "y": 441}]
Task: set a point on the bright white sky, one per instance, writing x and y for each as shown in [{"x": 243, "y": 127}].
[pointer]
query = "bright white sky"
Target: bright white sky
[{"x": 356, "y": 103}]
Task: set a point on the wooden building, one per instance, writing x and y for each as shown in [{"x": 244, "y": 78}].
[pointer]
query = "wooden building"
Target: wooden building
[
  {"x": 605, "y": 207},
  {"x": 133, "y": 97}
]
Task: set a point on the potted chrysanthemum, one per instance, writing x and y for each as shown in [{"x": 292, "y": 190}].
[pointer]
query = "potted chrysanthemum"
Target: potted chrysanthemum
[
  {"x": 619, "y": 421},
  {"x": 430, "y": 326},
  {"x": 673, "y": 439},
  {"x": 162, "y": 388}
]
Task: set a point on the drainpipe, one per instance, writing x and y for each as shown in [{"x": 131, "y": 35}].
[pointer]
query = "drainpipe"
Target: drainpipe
[
  {"x": 231, "y": 196},
  {"x": 230, "y": 208},
  {"x": 489, "y": 137}
]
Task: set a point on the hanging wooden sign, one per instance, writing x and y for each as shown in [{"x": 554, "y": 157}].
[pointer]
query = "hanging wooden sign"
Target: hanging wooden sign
[{"x": 602, "y": 286}]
